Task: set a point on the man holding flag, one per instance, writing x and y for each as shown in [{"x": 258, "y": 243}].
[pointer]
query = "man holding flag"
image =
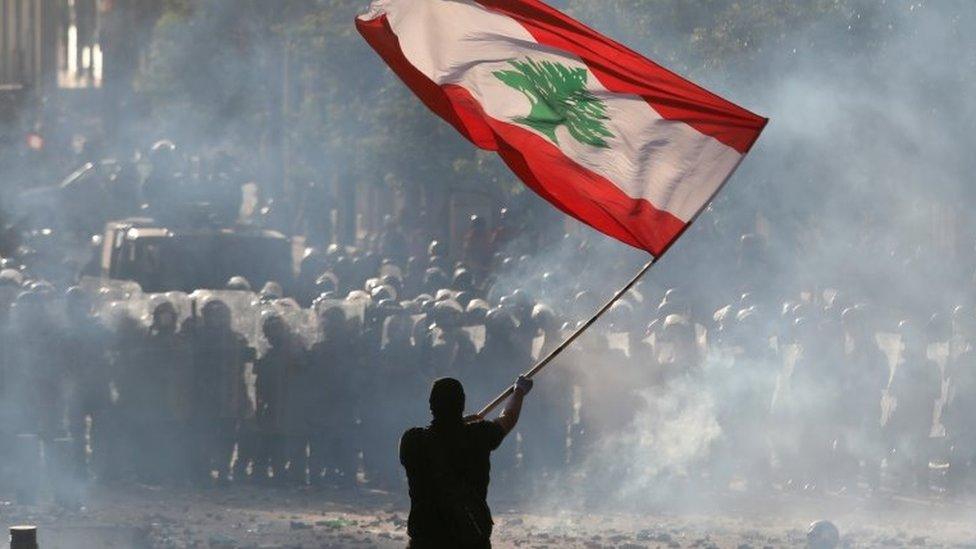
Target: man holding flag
[{"x": 602, "y": 133}]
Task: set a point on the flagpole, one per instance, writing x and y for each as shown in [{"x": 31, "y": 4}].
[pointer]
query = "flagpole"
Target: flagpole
[{"x": 562, "y": 346}]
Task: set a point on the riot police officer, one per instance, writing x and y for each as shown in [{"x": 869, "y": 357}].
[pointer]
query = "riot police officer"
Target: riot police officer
[
  {"x": 220, "y": 402},
  {"x": 165, "y": 371},
  {"x": 280, "y": 376},
  {"x": 332, "y": 419},
  {"x": 85, "y": 362}
]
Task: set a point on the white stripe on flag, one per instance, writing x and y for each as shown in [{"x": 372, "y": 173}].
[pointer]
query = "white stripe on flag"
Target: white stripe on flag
[{"x": 669, "y": 163}]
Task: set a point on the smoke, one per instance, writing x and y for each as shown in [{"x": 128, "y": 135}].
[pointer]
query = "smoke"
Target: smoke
[
  {"x": 859, "y": 189},
  {"x": 681, "y": 428}
]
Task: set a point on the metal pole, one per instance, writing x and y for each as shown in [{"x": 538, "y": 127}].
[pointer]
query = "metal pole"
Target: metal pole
[{"x": 579, "y": 331}]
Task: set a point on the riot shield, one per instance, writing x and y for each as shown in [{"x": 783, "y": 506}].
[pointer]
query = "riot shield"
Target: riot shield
[
  {"x": 179, "y": 300},
  {"x": 244, "y": 308},
  {"x": 102, "y": 290},
  {"x": 354, "y": 310},
  {"x": 300, "y": 322}
]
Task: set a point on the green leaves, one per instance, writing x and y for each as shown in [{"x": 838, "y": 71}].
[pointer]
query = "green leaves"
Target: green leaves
[{"x": 559, "y": 97}]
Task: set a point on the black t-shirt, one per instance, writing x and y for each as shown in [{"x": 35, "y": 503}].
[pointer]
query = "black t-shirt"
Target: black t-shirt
[{"x": 467, "y": 448}]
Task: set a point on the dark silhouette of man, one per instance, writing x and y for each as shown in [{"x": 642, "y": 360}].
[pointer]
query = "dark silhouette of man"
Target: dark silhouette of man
[{"x": 448, "y": 466}]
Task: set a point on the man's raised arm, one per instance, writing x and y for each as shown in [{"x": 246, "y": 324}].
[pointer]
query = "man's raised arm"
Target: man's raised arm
[{"x": 513, "y": 406}]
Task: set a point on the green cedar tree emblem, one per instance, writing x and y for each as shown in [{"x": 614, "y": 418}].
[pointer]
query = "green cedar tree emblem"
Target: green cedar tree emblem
[{"x": 559, "y": 97}]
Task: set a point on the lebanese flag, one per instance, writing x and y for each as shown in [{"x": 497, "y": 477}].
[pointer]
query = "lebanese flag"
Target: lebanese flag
[{"x": 602, "y": 133}]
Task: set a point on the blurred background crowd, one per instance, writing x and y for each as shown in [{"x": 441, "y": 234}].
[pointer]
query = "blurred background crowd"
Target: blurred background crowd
[{"x": 206, "y": 375}]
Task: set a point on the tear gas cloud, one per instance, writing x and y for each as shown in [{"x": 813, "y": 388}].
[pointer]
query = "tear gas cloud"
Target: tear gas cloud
[{"x": 858, "y": 188}]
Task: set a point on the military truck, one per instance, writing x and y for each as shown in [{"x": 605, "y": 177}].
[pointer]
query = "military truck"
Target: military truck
[{"x": 162, "y": 259}]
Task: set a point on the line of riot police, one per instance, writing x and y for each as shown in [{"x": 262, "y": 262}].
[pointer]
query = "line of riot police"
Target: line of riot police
[{"x": 314, "y": 388}]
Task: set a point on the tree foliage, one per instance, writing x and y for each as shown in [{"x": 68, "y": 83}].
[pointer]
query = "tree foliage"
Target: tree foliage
[{"x": 214, "y": 66}]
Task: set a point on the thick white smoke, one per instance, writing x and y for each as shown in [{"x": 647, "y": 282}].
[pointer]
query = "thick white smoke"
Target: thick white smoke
[{"x": 857, "y": 185}]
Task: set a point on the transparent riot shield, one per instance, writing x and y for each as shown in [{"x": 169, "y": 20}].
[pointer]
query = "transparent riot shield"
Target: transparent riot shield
[
  {"x": 179, "y": 300},
  {"x": 400, "y": 323},
  {"x": 300, "y": 322},
  {"x": 123, "y": 317},
  {"x": 102, "y": 290},
  {"x": 476, "y": 334},
  {"x": 892, "y": 346},
  {"x": 244, "y": 308},
  {"x": 355, "y": 307},
  {"x": 354, "y": 310}
]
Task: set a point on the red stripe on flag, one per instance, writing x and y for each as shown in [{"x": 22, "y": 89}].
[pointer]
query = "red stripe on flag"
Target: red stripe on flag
[
  {"x": 622, "y": 70},
  {"x": 575, "y": 190}
]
